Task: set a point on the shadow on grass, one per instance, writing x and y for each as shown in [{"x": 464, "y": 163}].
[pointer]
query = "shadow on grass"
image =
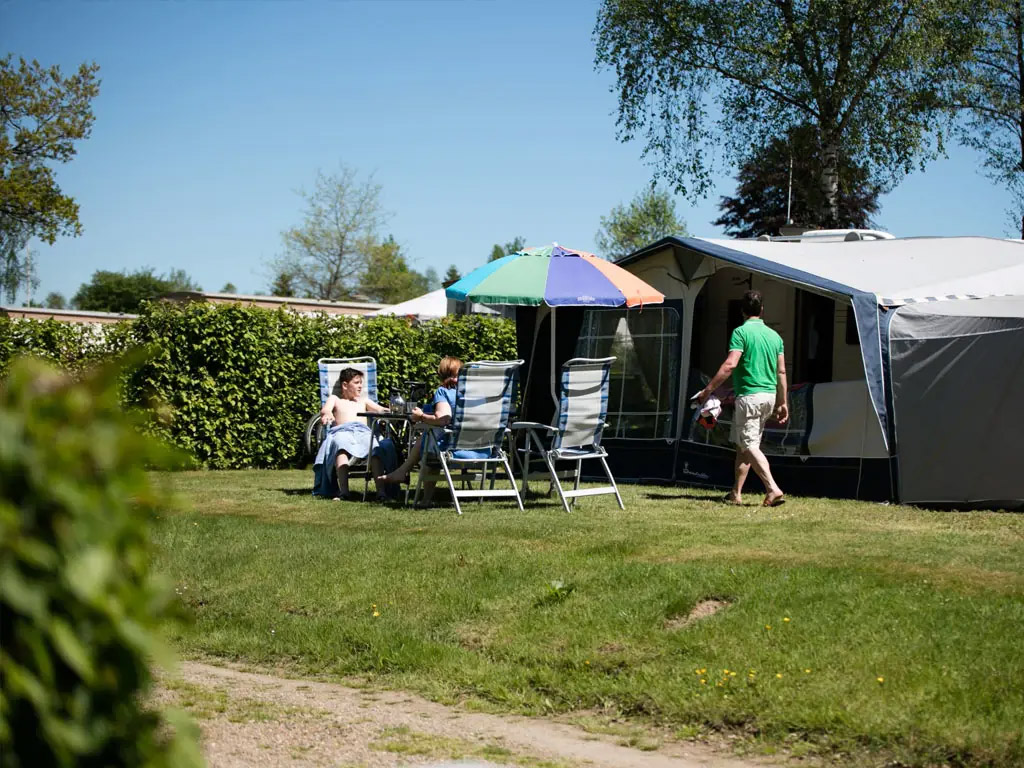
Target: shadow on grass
[
  {"x": 677, "y": 496},
  {"x": 296, "y": 491}
]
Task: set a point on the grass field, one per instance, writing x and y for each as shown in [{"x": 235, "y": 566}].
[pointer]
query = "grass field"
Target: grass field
[{"x": 863, "y": 632}]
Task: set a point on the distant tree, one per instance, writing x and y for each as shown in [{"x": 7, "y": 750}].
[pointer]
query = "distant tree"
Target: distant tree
[
  {"x": 649, "y": 217},
  {"x": 516, "y": 244},
  {"x": 43, "y": 114},
  {"x": 759, "y": 207},
  {"x": 17, "y": 272},
  {"x": 991, "y": 101},
  {"x": 123, "y": 292},
  {"x": 229, "y": 288},
  {"x": 869, "y": 76},
  {"x": 452, "y": 275},
  {"x": 431, "y": 279},
  {"x": 283, "y": 284},
  {"x": 55, "y": 300},
  {"x": 328, "y": 254},
  {"x": 388, "y": 278}
]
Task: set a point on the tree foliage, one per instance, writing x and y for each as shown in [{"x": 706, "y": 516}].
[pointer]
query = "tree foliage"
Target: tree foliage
[
  {"x": 55, "y": 300},
  {"x": 124, "y": 292},
  {"x": 43, "y": 114},
  {"x": 452, "y": 275},
  {"x": 649, "y": 217},
  {"x": 991, "y": 101},
  {"x": 17, "y": 272},
  {"x": 80, "y": 605},
  {"x": 388, "y": 278},
  {"x": 694, "y": 75},
  {"x": 759, "y": 206},
  {"x": 327, "y": 256},
  {"x": 517, "y": 243}
]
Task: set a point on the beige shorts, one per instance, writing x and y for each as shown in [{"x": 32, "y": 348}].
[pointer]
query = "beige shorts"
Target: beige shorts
[{"x": 749, "y": 417}]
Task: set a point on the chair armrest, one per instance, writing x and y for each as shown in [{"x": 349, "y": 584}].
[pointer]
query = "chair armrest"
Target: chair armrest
[{"x": 532, "y": 425}]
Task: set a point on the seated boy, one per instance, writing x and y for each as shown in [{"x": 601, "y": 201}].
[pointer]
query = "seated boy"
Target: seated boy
[{"x": 348, "y": 438}]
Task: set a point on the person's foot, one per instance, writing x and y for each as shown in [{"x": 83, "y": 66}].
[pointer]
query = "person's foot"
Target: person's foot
[
  {"x": 393, "y": 477},
  {"x": 731, "y": 498},
  {"x": 776, "y": 499}
]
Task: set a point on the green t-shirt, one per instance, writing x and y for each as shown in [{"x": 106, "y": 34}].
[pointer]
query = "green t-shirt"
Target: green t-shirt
[{"x": 758, "y": 368}]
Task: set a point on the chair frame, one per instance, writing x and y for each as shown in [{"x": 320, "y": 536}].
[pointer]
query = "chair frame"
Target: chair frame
[
  {"x": 449, "y": 461},
  {"x": 577, "y": 454}
]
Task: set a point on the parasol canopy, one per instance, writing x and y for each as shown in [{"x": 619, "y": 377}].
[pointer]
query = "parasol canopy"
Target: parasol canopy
[{"x": 556, "y": 276}]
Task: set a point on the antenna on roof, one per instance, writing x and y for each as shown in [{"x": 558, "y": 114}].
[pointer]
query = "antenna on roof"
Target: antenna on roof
[{"x": 789, "y": 194}]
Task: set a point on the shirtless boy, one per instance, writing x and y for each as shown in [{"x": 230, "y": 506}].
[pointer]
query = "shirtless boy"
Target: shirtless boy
[{"x": 344, "y": 409}]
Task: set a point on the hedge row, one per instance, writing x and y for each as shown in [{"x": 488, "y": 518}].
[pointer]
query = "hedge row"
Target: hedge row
[{"x": 238, "y": 383}]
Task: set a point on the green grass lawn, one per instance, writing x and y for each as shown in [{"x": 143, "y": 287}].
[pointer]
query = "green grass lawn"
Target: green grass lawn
[{"x": 863, "y": 631}]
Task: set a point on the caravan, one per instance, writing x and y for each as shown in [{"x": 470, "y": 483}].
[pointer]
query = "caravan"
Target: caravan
[{"x": 906, "y": 362}]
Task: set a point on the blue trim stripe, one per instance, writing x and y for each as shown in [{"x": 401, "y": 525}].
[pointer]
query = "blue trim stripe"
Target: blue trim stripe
[{"x": 461, "y": 289}]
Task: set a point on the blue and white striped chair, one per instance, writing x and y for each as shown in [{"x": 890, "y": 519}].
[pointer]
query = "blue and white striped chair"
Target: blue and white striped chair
[
  {"x": 577, "y": 436},
  {"x": 483, "y": 404}
]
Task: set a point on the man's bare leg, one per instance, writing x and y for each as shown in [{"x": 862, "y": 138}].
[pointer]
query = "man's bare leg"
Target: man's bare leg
[
  {"x": 341, "y": 469},
  {"x": 742, "y": 467},
  {"x": 760, "y": 464},
  {"x": 377, "y": 470}
]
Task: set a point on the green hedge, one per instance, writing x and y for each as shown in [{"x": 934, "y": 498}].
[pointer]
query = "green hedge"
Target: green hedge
[
  {"x": 239, "y": 383},
  {"x": 79, "y": 604}
]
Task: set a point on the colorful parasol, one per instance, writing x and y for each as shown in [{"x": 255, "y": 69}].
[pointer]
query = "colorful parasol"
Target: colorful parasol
[{"x": 556, "y": 276}]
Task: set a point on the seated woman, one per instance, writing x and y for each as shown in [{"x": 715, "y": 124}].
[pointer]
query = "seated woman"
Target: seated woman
[
  {"x": 437, "y": 413},
  {"x": 348, "y": 438}
]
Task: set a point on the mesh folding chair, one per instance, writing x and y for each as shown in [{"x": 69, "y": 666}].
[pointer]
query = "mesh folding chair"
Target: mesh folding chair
[
  {"x": 577, "y": 436},
  {"x": 483, "y": 403}
]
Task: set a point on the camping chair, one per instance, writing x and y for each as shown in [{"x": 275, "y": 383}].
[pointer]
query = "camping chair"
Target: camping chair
[
  {"x": 577, "y": 436},
  {"x": 483, "y": 402},
  {"x": 329, "y": 369}
]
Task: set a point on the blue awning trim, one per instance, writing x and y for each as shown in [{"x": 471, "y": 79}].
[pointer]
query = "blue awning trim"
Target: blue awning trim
[{"x": 865, "y": 310}]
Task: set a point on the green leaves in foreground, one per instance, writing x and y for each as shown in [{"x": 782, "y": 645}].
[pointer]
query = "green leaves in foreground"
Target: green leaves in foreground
[{"x": 78, "y": 602}]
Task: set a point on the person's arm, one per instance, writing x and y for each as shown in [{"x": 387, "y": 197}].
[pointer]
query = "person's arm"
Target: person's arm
[
  {"x": 781, "y": 393},
  {"x": 372, "y": 407},
  {"x": 724, "y": 372},
  {"x": 441, "y": 417},
  {"x": 327, "y": 412}
]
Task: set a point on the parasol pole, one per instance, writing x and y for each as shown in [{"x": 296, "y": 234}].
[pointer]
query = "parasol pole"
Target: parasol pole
[{"x": 554, "y": 387}]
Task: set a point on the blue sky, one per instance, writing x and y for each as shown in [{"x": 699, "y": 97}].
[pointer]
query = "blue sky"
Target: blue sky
[{"x": 481, "y": 121}]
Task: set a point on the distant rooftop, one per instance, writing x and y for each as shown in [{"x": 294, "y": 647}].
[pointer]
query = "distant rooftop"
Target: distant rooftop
[
  {"x": 64, "y": 315},
  {"x": 293, "y": 302}
]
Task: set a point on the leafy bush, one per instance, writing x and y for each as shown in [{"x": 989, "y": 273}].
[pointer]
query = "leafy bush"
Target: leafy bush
[
  {"x": 78, "y": 603},
  {"x": 240, "y": 382}
]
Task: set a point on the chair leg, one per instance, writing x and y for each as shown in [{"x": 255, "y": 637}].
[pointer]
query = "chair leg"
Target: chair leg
[
  {"x": 512, "y": 479},
  {"x": 451, "y": 484},
  {"x": 555, "y": 481},
  {"x": 525, "y": 464},
  {"x": 576, "y": 480},
  {"x": 612, "y": 481}
]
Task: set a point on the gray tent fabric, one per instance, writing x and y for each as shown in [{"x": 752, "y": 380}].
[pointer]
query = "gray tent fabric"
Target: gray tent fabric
[{"x": 957, "y": 374}]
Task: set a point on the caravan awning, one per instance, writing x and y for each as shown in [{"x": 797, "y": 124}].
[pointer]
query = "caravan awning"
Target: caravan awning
[{"x": 895, "y": 272}]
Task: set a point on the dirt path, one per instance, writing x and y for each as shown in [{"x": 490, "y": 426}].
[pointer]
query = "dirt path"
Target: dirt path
[{"x": 257, "y": 719}]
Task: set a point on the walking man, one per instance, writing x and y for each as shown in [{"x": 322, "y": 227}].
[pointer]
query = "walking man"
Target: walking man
[{"x": 758, "y": 368}]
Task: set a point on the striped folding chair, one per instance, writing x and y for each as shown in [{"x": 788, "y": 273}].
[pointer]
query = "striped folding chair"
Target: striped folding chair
[
  {"x": 483, "y": 403},
  {"x": 577, "y": 436}
]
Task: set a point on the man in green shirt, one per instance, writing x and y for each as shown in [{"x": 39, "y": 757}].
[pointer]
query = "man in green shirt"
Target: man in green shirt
[{"x": 758, "y": 368}]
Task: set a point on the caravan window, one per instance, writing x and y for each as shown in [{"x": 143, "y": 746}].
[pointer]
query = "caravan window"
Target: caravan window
[{"x": 645, "y": 375}]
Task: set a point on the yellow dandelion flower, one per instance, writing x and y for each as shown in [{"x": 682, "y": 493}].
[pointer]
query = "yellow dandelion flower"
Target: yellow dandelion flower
[
  {"x": 768, "y": 626},
  {"x": 785, "y": 619},
  {"x": 703, "y": 681},
  {"x": 732, "y": 674},
  {"x": 587, "y": 662},
  {"x": 703, "y": 670},
  {"x": 725, "y": 671},
  {"x": 376, "y": 614},
  {"x": 778, "y": 674},
  {"x": 881, "y": 679},
  {"x": 807, "y": 671}
]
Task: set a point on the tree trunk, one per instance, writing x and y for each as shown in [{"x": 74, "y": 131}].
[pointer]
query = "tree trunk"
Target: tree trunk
[{"x": 830, "y": 183}]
